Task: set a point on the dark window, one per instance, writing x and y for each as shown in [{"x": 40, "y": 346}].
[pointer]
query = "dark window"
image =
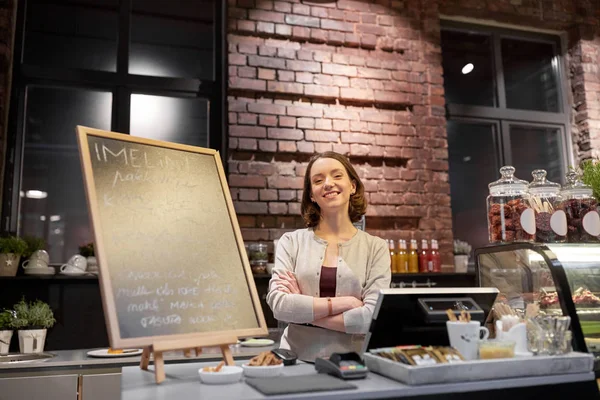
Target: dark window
[
  {"x": 140, "y": 67},
  {"x": 506, "y": 108}
]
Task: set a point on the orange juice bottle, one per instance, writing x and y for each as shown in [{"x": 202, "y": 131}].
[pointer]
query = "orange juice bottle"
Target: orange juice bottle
[
  {"x": 393, "y": 257},
  {"x": 402, "y": 255},
  {"x": 413, "y": 258}
]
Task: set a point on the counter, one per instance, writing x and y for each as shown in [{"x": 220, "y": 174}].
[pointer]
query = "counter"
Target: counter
[{"x": 183, "y": 383}]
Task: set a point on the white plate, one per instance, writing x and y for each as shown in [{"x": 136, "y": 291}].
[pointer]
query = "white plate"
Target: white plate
[
  {"x": 227, "y": 374},
  {"x": 267, "y": 371},
  {"x": 257, "y": 342},
  {"x": 67, "y": 273},
  {"x": 40, "y": 271},
  {"x": 103, "y": 353}
]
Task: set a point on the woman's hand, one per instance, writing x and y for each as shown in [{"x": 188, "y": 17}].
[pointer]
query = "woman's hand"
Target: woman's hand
[
  {"x": 286, "y": 282},
  {"x": 344, "y": 303}
]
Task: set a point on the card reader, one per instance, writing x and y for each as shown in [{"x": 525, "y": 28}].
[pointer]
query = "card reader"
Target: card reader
[{"x": 342, "y": 365}]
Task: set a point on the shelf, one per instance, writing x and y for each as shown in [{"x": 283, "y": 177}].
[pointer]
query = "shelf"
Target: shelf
[
  {"x": 433, "y": 274},
  {"x": 49, "y": 277}
]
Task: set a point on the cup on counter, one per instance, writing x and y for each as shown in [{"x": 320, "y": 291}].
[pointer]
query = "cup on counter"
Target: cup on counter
[
  {"x": 35, "y": 263},
  {"x": 465, "y": 337},
  {"x": 40, "y": 255},
  {"x": 77, "y": 263}
]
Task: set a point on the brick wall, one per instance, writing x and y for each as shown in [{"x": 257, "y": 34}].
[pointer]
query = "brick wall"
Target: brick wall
[{"x": 356, "y": 77}]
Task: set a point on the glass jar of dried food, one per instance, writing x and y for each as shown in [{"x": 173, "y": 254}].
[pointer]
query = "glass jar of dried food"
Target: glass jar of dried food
[
  {"x": 258, "y": 257},
  {"x": 581, "y": 208},
  {"x": 545, "y": 199},
  {"x": 510, "y": 218}
]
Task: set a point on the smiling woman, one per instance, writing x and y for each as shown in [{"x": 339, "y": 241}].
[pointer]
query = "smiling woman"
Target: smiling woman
[{"x": 327, "y": 277}]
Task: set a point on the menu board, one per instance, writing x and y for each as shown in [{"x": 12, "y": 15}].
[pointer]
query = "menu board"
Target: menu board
[{"x": 171, "y": 257}]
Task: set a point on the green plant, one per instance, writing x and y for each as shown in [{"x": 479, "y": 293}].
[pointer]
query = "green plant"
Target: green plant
[
  {"x": 13, "y": 244},
  {"x": 461, "y": 248},
  {"x": 87, "y": 250},
  {"x": 33, "y": 244},
  {"x": 590, "y": 175},
  {"x": 6, "y": 320},
  {"x": 33, "y": 315}
]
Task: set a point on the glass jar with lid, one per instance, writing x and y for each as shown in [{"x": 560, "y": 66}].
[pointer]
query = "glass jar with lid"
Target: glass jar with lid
[
  {"x": 510, "y": 218},
  {"x": 545, "y": 200},
  {"x": 581, "y": 209},
  {"x": 257, "y": 253}
]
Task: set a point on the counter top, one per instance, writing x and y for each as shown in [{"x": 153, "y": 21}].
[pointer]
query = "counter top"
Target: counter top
[
  {"x": 183, "y": 383},
  {"x": 80, "y": 359}
]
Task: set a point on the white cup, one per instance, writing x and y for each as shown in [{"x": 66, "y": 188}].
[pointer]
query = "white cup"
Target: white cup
[
  {"x": 465, "y": 337},
  {"x": 77, "y": 263},
  {"x": 40, "y": 255},
  {"x": 35, "y": 263}
]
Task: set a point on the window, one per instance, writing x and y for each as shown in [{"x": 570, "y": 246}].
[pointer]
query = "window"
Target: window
[
  {"x": 505, "y": 106},
  {"x": 149, "y": 68}
]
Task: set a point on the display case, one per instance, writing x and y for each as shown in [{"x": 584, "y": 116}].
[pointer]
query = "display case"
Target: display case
[{"x": 562, "y": 279}]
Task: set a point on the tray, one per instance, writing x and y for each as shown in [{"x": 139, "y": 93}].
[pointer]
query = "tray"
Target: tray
[{"x": 478, "y": 370}]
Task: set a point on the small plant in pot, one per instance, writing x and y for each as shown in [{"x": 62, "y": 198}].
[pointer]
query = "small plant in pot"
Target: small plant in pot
[
  {"x": 87, "y": 250},
  {"x": 462, "y": 252},
  {"x": 11, "y": 250},
  {"x": 32, "y": 319},
  {"x": 6, "y": 329}
]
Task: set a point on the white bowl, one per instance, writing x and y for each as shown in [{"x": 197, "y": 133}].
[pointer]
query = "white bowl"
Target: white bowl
[
  {"x": 227, "y": 374},
  {"x": 267, "y": 371}
]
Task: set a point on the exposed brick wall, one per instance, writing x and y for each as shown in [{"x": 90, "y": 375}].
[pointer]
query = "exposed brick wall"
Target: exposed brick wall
[
  {"x": 581, "y": 20},
  {"x": 359, "y": 78}
]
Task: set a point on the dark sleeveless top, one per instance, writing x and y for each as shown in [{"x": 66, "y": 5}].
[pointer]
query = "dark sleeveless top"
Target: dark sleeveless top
[{"x": 327, "y": 284}]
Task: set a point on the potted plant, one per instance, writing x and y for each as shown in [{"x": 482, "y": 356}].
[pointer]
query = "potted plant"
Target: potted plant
[
  {"x": 33, "y": 244},
  {"x": 6, "y": 330},
  {"x": 32, "y": 320},
  {"x": 590, "y": 175},
  {"x": 87, "y": 250},
  {"x": 11, "y": 250},
  {"x": 462, "y": 252}
]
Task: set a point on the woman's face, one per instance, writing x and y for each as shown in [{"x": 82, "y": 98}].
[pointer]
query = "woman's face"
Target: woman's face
[{"x": 330, "y": 184}]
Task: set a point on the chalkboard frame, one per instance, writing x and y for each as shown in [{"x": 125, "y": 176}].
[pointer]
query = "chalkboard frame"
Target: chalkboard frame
[{"x": 106, "y": 289}]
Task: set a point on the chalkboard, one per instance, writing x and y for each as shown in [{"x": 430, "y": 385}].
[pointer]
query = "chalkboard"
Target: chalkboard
[{"x": 171, "y": 256}]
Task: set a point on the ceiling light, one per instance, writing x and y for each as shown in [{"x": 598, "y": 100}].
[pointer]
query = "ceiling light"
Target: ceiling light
[
  {"x": 36, "y": 194},
  {"x": 467, "y": 68},
  {"x": 42, "y": 217},
  {"x": 55, "y": 218}
]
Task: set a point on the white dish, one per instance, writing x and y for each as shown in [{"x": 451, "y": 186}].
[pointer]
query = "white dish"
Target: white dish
[
  {"x": 227, "y": 374},
  {"x": 40, "y": 271},
  {"x": 68, "y": 273},
  {"x": 267, "y": 371},
  {"x": 257, "y": 342},
  {"x": 103, "y": 353}
]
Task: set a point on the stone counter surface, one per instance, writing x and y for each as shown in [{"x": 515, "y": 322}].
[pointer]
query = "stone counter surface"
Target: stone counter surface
[{"x": 80, "y": 359}]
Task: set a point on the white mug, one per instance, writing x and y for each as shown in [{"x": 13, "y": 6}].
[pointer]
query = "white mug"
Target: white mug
[
  {"x": 34, "y": 263},
  {"x": 465, "y": 337},
  {"x": 40, "y": 255},
  {"x": 77, "y": 263}
]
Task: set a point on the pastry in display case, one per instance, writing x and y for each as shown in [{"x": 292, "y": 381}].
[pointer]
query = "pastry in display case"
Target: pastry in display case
[{"x": 558, "y": 279}]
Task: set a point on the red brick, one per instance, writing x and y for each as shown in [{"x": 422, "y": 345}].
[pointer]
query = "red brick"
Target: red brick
[
  {"x": 356, "y": 94},
  {"x": 337, "y": 69},
  {"x": 323, "y": 147},
  {"x": 267, "y": 74},
  {"x": 294, "y": 208},
  {"x": 368, "y": 18},
  {"x": 233, "y": 143},
  {"x": 306, "y": 66},
  {"x": 287, "y": 122},
  {"x": 248, "y": 131},
  {"x": 323, "y": 124},
  {"x": 304, "y": 77},
  {"x": 287, "y": 147},
  {"x": 278, "y": 208},
  {"x": 321, "y": 136},
  {"x": 283, "y": 30},
  {"x": 318, "y": 35},
  {"x": 237, "y": 59},
  {"x": 352, "y": 137},
  {"x": 285, "y": 87},
  {"x": 285, "y": 182},
  {"x": 264, "y": 4},
  {"x": 391, "y": 97},
  {"x": 267, "y": 62},
  {"x": 284, "y": 133},
  {"x": 268, "y": 120},
  {"x": 248, "y": 194},
  {"x": 335, "y": 37},
  {"x": 305, "y": 147},
  {"x": 286, "y": 53},
  {"x": 301, "y": 9},
  {"x": 354, "y": 5},
  {"x": 340, "y": 125},
  {"x": 303, "y": 111},
  {"x": 368, "y": 41},
  {"x": 267, "y": 16},
  {"x": 247, "y": 144},
  {"x": 256, "y": 168},
  {"x": 246, "y": 119},
  {"x": 337, "y": 25},
  {"x": 321, "y": 91},
  {"x": 268, "y": 194},
  {"x": 318, "y": 12},
  {"x": 301, "y": 20},
  {"x": 232, "y": 118},
  {"x": 261, "y": 108},
  {"x": 282, "y": 7},
  {"x": 246, "y": 181},
  {"x": 250, "y": 207},
  {"x": 301, "y": 33},
  {"x": 247, "y": 72},
  {"x": 246, "y": 26},
  {"x": 285, "y": 76},
  {"x": 306, "y": 123},
  {"x": 327, "y": 80},
  {"x": 267, "y": 51},
  {"x": 267, "y": 145}
]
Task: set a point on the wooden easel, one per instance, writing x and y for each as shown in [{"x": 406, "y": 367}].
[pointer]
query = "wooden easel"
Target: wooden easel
[{"x": 187, "y": 346}]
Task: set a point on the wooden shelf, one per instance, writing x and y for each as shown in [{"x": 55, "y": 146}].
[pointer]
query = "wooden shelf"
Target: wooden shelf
[
  {"x": 57, "y": 277},
  {"x": 433, "y": 274}
]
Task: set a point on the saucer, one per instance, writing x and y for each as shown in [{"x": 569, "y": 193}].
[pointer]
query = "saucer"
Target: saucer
[
  {"x": 103, "y": 353},
  {"x": 40, "y": 271},
  {"x": 257, "y": 342},
  {"x": 73, "y": 273}
]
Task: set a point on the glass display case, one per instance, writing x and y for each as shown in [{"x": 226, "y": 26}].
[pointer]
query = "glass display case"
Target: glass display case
[{"x": 563, "y": 279}]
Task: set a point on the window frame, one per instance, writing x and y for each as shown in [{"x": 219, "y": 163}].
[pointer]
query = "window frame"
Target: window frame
[
  {"x": 511, "y": 116},
  {"x": 121, "y": 84}
]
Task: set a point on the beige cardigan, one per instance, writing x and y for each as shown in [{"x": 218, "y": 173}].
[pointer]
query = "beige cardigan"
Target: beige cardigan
[{"x": 363, "y": 269}]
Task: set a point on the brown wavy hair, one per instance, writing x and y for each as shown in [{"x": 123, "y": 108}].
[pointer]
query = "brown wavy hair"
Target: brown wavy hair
[{"x": 311, "y": 212}]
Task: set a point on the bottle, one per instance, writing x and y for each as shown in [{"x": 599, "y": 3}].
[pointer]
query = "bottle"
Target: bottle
[
  {"x": 413, "y": 258},
  {"x": 393, "y": 257},
  {"x": 424, "y": 257},
  {"x": 402, "y": 255},
  {"x": 436, "y": 259}
]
